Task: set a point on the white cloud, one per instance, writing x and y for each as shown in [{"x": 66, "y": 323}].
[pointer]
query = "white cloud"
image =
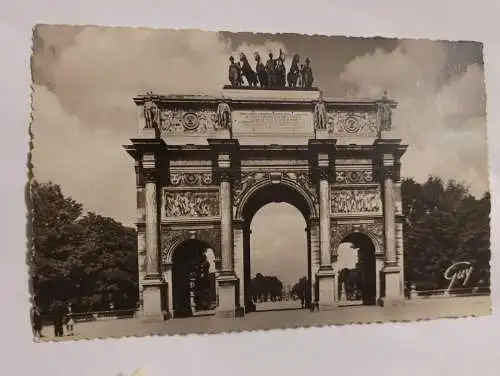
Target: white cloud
[
  {"x": 90, "y": 164},
  {"x": 444, "y": 124}
]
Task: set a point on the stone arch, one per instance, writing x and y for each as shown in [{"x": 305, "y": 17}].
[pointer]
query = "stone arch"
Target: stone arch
[
  {"x": 249, "y": 192},
  {"x": 172, "y": 239},
  {"x": 373, "y": 231}
]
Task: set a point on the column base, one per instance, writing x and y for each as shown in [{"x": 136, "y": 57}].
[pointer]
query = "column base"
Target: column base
[
  {"x": 152, "y": 299},
  {"x": 326, "y": 286},
  {"x": 227, "y": 296},
  {"x": 393, "y": 296}
]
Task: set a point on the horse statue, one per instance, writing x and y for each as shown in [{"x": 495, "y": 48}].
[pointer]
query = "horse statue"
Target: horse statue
[
  {"x": 247, "y": 71},
  {"x": 280, "y": 70},
  {"x": 261, "y": 71},
  {"x": 294, "y": 72},
  {"x": 234, "y": 73}
]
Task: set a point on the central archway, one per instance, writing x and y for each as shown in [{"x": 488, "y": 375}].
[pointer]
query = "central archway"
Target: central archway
[{"x": 255, "y": 199}]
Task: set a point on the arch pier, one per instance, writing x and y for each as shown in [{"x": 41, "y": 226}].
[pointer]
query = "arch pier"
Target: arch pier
[{"x": 205, "y": 165}]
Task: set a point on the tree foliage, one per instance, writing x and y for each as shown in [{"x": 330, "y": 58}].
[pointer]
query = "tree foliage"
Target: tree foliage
[
  {"x": 265, "y": 288},
  {"x": 88, "y": 260},
  {"x": 444, "y": 224}
]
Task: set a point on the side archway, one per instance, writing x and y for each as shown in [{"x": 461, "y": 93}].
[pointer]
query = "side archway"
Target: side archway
[{"x": 171, "y": 239}]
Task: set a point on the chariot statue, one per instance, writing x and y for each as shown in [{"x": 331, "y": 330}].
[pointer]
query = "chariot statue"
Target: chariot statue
[
  {"x": 234, "y": 73},
  {"x": 307, "y": 75}
]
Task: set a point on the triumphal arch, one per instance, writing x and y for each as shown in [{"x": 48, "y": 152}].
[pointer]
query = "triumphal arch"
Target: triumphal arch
[{"x": 205, "y": 165}]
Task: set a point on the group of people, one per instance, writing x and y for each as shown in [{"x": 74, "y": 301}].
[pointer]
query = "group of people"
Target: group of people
[
  {"x": 272, "y": 74},
  {"x": 61, "y": 316}
]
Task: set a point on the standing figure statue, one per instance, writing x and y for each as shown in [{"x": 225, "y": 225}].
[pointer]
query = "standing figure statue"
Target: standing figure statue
[
  {"x": 281, "y": 70},
  {"x": 151, "y": 113},
  {"x": 261, "y": 71},
  {"x": 320, "y": 115},
  {"x": 247, "y": 71},
  {"x": 234, "y": 73},
  {"x": 385, "y": 108},
  {"x": 224, "y": 115},
  {"x": 294, "y": 72},
  {"x": 271, "y": 70},
  {"x": 307, "y": 75}
]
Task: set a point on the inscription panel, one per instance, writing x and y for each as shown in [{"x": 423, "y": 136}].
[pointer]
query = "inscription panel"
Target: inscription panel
[
  {"x": 191, "y": 204},
  {"x": 273, "y": 122},
  {"x": 355, "y": 201}
]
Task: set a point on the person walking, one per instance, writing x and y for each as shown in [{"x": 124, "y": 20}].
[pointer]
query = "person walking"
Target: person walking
[
  {"x": 36, "y": 322},
  {"x": 70, "y": 321}
]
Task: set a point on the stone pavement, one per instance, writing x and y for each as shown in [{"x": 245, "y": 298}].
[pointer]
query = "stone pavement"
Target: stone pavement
[{"x": 409, "y": 311}]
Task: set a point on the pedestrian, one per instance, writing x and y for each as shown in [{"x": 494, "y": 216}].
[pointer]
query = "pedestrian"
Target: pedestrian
[
  {"x": 57, "y": 316},
  {"x": 36, "y": 322},
  {"x": 70, "y": 321}
]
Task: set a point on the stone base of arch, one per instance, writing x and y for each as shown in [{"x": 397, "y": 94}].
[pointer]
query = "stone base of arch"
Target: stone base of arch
[
  {"x": 153, "y": 290},
  {"x": 393, "y": 286},
  {"x": 327, "y": 286}
]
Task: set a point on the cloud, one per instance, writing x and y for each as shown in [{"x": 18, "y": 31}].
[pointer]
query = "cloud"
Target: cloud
[
  {"x": 444, "y": 123},
  {"x": 89, "y": 164}
]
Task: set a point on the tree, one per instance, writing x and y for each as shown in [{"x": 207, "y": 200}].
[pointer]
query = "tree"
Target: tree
[
  {"x": 266, "y": 288},
  {"x": 443, "y": 224},
  {"x": 86, "y": 260},
  {"x": 55, "y": 233}
]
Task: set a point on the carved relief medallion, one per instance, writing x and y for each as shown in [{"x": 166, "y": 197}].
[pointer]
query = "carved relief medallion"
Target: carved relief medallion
[
  {"x": 190, "y": 178},
  {"x": 191, "y": 204},
  {"x": 190, "y": 121},
  {"x": 348, "y": 201},
  {"x": 353, "y": 176}
]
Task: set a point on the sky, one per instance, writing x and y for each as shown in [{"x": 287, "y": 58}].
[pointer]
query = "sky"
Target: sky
[{"x": 84, "y": 79}]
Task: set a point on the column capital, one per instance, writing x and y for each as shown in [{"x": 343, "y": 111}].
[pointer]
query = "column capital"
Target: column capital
[
  {"x": 390, "y": 172},
  {"x": 223, "y": 175},
  {"x": 150, "y": 175},
  {"x": 324, "y": 173}
]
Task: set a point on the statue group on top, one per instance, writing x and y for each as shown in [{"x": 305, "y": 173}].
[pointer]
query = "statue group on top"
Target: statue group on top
[{"x": 272, "y": 74}]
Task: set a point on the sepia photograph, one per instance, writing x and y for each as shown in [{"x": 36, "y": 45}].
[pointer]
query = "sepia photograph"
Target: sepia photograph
[{"x": 189, "y": 181}]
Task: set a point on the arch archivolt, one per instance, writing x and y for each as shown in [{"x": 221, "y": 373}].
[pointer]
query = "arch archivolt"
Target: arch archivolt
[
  {"x": 373, "y": 230},
  {"x": 252, "y": 181},
  {"x": 171, "y": 239}
]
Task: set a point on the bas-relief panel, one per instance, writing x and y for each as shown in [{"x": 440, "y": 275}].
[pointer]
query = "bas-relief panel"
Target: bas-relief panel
[
  {"x": 340, "y": 230},
  {"x": 191, "y": 204},
  {"x": 355, "y": 201},
  {"x": 348, "y": 123},
  {"x": 172, "y": 238},
  {"x": 180, "y": 121}
]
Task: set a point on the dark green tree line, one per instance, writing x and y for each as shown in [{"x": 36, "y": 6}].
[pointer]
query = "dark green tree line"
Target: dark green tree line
[
  {"x": 444, "y": 224},
  {"x": 265, "y": 288},
  {"x": 85, "y": 259}
]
